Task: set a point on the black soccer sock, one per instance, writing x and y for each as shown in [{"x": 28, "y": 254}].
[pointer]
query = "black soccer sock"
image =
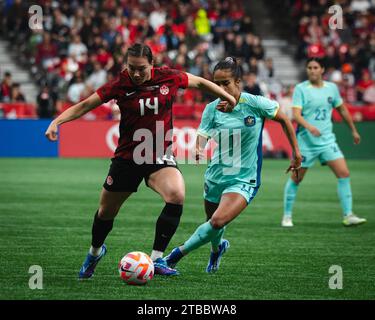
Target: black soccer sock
[
  {"x": 166, "y": 225},
  {"x": 100, "y": 230}
]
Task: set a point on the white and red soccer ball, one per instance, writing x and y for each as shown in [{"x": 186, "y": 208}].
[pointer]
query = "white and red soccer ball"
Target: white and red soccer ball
[{"x": 136, "y": 268}]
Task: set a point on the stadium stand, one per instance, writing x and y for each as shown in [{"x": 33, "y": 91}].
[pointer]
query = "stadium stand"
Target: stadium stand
[{"x": 83, "y": 42}]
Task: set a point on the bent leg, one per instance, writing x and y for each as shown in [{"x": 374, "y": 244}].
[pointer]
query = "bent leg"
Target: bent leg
[
  {"x": 210, "y": 208},
  {"x": 344, "y": 192},
  {"x": 109, "y": 205},
  {"x": 169, "y": 183},
  {"x": 290, "y": 192},
  {"x": 230, "y": 206}
]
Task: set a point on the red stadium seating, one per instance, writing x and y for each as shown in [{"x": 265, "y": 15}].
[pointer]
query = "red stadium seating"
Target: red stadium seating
[
  {"x": 17, "y": 110},
  {"x": 180, "y": 111}
]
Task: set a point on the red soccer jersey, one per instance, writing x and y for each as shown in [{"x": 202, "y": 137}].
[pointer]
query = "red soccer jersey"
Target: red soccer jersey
[{"x": 146, "y": 112}]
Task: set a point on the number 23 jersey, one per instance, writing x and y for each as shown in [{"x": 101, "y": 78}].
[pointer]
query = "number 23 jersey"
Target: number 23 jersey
[
  {"x": 316, "y": 104},
  {"x": 146, "y": 109}
]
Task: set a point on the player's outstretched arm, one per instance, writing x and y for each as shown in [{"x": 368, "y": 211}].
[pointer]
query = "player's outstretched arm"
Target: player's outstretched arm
[
  {"x": 297, "y": 115},
  {"x": 74, "y": 112},
  {"x": 343, "y": 110},
  {"x": 206, "y": 85},
  {"x": 295, "y": 163}
]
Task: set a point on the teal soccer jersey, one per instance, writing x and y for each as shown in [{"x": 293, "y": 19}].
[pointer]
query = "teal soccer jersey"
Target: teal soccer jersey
[
  {"x": 317, "y": 105},
  {"x": 238, "y": 155}
]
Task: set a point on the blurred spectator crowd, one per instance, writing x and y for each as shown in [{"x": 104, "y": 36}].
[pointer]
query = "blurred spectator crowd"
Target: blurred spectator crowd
[
  {"x": 82, "y": 45},
  {"x": 348, "y": 52}
]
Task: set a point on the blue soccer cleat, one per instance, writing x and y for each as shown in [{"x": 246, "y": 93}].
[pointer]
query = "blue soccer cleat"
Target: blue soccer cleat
[
  {"x": 161, "y": 267},
  {"x": 215, "y": 257},
  {"x": 173, "y": 257},
  {"x": 88, "y": 267}
]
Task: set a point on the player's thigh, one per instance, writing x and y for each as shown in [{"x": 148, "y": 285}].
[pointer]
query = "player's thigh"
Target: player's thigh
[
  {"x": 309, "y": 157},
  {"x": 169, "y": 183},
  {"x": 111, "y": 202},
  {"x": 230, "y": 206},
  {"x": 339, "y": 168},
  {"x": 334, "y": 158}
]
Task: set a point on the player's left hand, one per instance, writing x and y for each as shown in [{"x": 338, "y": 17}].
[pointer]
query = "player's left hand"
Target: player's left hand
[
  {"x": 52, "y": 132},
  {"x": 199, "y": 155},
  {"x": 295, "y": 165},
  {"x": 356, "y": 137},
  {"x": 224, "y": 106}
]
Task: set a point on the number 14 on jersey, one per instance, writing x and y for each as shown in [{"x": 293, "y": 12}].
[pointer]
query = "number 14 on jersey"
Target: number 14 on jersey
[{"x": 153, "y": 106}]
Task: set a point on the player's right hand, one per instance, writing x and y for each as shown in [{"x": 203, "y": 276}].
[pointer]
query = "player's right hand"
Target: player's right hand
[
  {"x": 314, "y": 131},
  {"x": 295, "y": 165},
  {"x": 199, "y": 155},
  {"x": 232, "y": 101},
  {"x": 224, "y": 106},
  {"x": 52, "y": 132}
]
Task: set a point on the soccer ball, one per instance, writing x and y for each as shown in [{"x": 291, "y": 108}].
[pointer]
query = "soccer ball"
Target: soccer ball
[{"x": 136, "y": 268}]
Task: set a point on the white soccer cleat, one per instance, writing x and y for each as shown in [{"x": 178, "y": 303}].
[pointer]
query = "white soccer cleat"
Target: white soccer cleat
[
  {"x": 353, "y": 220},
  {"x": 287, "y": 222}
]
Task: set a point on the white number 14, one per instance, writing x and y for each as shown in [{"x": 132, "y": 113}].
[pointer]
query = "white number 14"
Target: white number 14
[{"x": 148, "y": 104}]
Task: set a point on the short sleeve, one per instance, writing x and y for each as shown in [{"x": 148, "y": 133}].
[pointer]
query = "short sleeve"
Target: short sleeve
[
  {"x": 181, "y": 79},
  {"x": 109, "y": 90},
  {"x": 267, "y": 108},
  {"x": 207, "y": 122},
  {"x": 297, "y": 98},
  {"x": 337, "y": 99}
]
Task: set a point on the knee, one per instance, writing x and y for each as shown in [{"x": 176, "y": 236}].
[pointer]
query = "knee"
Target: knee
[
  {"x": 107, "y": 212},
  {"x": 296, "y": 180},
  {"x": 217, "y": 222},
  {"x": 175, "y": 197},
  {"x": 343, "y": 174}
]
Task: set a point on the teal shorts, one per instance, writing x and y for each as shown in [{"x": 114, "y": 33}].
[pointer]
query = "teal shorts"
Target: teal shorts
[
  {"x": 213, "y": 191},
  {"x": 327, "y": 153}
]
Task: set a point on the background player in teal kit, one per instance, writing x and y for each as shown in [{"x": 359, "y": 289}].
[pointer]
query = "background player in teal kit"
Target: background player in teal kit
[
  {"x": 233, "y": 177},
  {"x": 313, "y": 102}
]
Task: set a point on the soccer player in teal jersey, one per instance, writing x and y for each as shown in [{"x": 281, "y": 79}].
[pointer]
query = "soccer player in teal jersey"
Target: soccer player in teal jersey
[
  {"x": 313, "y": 102},
  {"x": 232, "y": 178}
]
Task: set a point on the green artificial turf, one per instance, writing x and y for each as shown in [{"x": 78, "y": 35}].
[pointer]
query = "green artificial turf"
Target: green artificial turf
[{"x": 47, "y": 207}]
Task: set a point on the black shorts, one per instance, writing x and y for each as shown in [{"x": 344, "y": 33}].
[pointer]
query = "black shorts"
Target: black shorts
[{"x": 126, "y": 175}]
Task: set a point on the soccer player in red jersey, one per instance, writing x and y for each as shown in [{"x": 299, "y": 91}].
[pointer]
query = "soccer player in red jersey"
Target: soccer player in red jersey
[{"x": 145, "y": 96}]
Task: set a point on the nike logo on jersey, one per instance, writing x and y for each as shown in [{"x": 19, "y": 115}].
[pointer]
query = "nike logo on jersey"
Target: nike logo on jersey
[{"x": 130, "y": 93}]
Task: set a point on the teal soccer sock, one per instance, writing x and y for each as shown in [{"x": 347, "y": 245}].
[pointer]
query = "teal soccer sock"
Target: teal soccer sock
[
  {"x": 290, "y": 192},
  {"x": 344, "y": 192},
  {"x": 215, "y": 242},
  {"x": 203, "y": 234}
]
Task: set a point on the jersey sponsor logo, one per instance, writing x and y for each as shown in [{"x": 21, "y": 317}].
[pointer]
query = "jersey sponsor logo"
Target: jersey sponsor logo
[
  {"x": 151, "y": 88},
  {"x": 164, "y": 90},
  {"x": 130, "y": 93},
  {"x": 249, "y": 121},
  {"x": 109, "y": 180},
  {"x": 330, "y": 100}
]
